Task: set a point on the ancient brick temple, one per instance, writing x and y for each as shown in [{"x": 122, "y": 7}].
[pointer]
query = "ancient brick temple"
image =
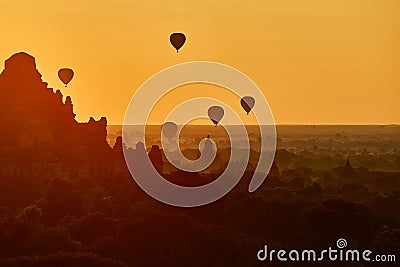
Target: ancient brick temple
[{"x": 38, "y": 129}]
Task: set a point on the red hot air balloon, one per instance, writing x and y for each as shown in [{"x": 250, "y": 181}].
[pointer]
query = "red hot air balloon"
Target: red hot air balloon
[
  {"x": 65, "y": 75},
  {"x": 177, "y": 40}
]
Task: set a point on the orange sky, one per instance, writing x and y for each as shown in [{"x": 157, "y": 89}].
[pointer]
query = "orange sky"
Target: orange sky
[{"x": 316, "y": 61}]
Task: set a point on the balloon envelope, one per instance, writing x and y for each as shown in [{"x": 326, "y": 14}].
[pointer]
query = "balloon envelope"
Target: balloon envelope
[
  {"x": 215, "y": 113},
  {"x": 247, "y": 103},
  {"x": 177, "y": 40},
  {"x": 65, "y": 75},
  {"x": 169, "y": 129}
]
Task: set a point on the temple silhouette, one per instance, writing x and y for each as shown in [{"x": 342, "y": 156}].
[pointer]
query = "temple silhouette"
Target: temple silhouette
[
  {"x": 39, "y": 129},
  {"x": 68, "y": 199}
]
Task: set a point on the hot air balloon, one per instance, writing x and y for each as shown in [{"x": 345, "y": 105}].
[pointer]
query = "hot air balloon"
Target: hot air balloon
[
  {"x": 169, "y": 129},
  {"x": 65, "y": 75},
  {"x": 177, "y": 40},
  {"x": 215, "y": 113},
  {"x": 247, "y": 103}
]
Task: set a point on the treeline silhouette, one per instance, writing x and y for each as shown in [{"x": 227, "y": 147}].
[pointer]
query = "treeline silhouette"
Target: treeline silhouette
[{"x": 67, "y": 198}]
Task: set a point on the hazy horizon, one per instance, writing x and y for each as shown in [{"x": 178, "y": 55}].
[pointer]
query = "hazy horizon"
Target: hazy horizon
[
  {"x": 213, "y": 133},
  {"x": 277, "y": 124},
  {"x": 316, "y": 62}
]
